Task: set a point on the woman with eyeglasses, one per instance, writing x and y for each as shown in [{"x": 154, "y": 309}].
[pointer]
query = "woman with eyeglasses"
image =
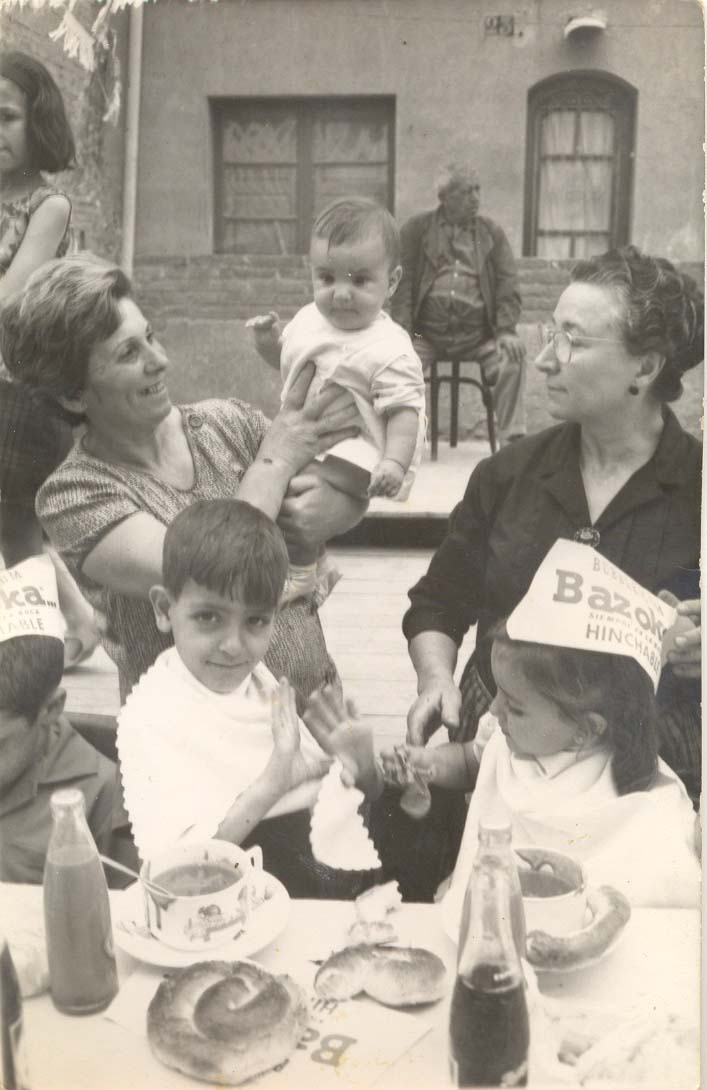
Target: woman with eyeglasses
[{"x": 616, "y": 471}]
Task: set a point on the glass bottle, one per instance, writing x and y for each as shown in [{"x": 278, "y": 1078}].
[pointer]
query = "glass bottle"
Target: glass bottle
[
  {"x": 82, "y": 971},
  {"x": 488, "y": 1029},
  {"x": 495, "y": 844}
]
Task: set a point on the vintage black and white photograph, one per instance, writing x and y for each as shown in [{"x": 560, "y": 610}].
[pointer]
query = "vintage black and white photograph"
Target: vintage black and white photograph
[{"x": 351, "y": 399}]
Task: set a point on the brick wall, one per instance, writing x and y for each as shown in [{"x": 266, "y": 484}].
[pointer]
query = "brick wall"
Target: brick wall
[
  {"x": 199, "y": 305},
  {"x": 95, "y": 185},
  {"x": 224, "y": 287}
]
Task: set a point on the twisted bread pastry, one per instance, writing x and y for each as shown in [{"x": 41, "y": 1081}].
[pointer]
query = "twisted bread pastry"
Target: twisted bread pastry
[
  {"x": 397, "y": 976},
  {"x": 610, "y": 914},
  {"x": 225, "y": 1022}
]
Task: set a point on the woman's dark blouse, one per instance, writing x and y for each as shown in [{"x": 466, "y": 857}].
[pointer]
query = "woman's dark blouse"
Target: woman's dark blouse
[{"x": 518, "y": 502}]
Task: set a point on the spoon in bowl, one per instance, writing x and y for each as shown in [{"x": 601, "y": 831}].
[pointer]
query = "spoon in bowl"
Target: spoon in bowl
[{"x": 151, "y": 886}]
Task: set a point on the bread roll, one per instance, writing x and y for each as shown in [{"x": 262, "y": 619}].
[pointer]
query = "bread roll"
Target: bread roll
[
  {"x": 226, "y": 1022},
  {"x": 397, "y": 976},
  {"x": 370, "y": 934}
]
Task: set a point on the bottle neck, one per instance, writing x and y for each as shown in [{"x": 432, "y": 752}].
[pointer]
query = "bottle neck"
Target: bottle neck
[
  {"x": 486, "y": 936},
  {"x": 495, "y": 840},
  {"x": 71, "y": 840}
]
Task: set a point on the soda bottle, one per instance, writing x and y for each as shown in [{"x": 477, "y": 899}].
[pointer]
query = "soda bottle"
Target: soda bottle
[
  {"x": 82, "y": 971},
  {"x": 495, "y": 844},
  {"x": 488, "y": 1029}
]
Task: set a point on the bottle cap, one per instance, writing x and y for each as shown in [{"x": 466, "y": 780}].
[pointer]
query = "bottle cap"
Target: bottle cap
[
  {"x": 491, "y": 832},
  {"x": 67, "y": 798},
  {"x": 496, "y": 824}
]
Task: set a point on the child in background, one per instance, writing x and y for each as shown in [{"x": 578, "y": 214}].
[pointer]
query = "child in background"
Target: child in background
[
  {"x": 569, "y": 752},
  {"x": 355, "y": 264},
  {"x": 209, "y": 743},
  {"x": 34, "y": 228},
  {"x": 40, "y": 752}
]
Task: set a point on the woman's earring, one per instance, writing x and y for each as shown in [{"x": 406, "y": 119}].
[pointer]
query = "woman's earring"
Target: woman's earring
[{"x": 633, "y": 389}]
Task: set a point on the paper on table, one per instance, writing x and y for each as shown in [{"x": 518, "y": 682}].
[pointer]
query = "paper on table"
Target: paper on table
[
  {"x": 347, "y": 1044},
  {"x": 337, "y": 833},
  {"x": 22, "y": 925}
]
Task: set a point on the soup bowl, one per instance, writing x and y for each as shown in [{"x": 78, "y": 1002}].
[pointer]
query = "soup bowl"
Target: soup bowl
[
  {"x": 211, "y": 883},
  {"x": 554, "y": 888}
]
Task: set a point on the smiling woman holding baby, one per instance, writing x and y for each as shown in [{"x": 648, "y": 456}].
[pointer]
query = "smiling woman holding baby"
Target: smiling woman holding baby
[
  {"x": 76, "y": 332},
  {"x": 617, "y": 472}
]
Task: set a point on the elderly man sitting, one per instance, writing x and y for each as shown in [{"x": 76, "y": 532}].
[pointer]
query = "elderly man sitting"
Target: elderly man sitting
[{"x": 458, "y": 295}]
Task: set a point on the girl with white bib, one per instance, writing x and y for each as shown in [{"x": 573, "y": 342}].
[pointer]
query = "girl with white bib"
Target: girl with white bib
[{"x": 568, "y": 751}]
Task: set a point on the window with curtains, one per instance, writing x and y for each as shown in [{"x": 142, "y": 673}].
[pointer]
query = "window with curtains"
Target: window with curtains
[
  {"x": 579, "y": 165},
  {"x": 278, "y": 162}
]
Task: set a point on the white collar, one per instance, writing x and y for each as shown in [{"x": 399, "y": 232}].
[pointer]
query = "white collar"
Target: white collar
[
  {"x": 556, "y": 763},
  {"x": 176, "y": 665}
]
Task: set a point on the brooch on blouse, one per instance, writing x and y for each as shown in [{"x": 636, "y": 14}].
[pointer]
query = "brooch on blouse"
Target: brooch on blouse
[{"x": 588, "y": 536}]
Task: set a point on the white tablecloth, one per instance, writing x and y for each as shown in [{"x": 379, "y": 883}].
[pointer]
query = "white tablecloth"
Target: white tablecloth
[{"x": 656, "y": 964}]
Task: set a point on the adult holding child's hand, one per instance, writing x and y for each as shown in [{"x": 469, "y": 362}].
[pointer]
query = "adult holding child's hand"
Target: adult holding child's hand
[
  {"x": 617, "y": 472},
  {"x": 77, "y": 333}
]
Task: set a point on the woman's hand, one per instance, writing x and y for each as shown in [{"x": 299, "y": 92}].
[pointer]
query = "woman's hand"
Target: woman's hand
[
  {"x": 438, "y": 705},
  {"x": 308, "y": 423},
  {"x": 334, "y": 725},
  {"x": 685, "y": 656},
  {"x": 288, "y": 765},
  {"x": 313, "y": 511}
]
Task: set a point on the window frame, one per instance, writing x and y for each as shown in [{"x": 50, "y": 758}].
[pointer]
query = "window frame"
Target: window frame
[
  {"x": 307, "y": 109},
  {"x": 573, "y": 90}
]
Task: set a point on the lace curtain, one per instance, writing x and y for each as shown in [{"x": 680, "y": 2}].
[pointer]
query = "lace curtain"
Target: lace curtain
[
  {"x": 283, "y": 162},
  {"x": 575, "y": 184}
]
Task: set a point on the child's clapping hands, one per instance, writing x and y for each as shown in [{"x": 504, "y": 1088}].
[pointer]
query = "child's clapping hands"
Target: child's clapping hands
[
  {"x": 335, "y": 726},
  {"x": 288, "y": 765}
]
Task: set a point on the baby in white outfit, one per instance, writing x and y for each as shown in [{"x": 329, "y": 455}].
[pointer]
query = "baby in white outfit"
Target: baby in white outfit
[
  {"x": 355, "y": 260},
  {"x": 355, "y": 264}
]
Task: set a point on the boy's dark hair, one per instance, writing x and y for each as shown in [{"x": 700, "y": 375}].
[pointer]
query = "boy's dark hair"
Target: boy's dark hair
[
  {"x": 30, "y": 670},
  {"x": 50, "y": 141},
  {"x": 613, "y": 686},
  {"x": 229, "y": 547},
  {"x": 355, "y": 218}
]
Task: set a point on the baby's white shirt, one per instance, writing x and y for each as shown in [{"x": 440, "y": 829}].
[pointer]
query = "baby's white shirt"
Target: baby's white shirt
[{"x": 378, "y": 365}]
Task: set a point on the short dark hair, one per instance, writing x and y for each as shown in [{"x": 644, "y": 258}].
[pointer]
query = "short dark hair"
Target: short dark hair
[
  {"x": 229, "y": 547},
  {"x": 352, "y": 219},
  {"x": 663, "y": 310},
  {"x": 613, "y": 686},
  {"x": 30, "y": 670},
  {"x": 49, "y": 327},
  {"x": 50, "y": 141}
]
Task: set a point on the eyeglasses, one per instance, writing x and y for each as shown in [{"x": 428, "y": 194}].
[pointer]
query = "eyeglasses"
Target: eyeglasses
[{"x": 563, "y": 342}]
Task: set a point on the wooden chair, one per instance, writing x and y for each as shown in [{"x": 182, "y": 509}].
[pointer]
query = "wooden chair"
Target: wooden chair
[{"x": 455, "y": 378}]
